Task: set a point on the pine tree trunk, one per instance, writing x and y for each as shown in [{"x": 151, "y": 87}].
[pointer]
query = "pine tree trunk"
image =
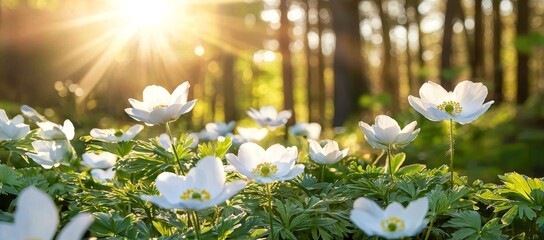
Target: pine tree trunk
[
  {"x": 478, "y": 56},
  {"x": 349, "y": 81},
  {"x": 523, "y": 58},
  {"x": 287, "y": 68},
  {"x": 498, "y": 77}
]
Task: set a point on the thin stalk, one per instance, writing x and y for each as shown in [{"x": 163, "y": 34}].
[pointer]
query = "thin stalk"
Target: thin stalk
[
  {"x": 270, "y": 217},
  {"x": 322, "y": 172},
  {"x": 379, "y": 157},
  {"x": 389, "y": 157},
  {"x": 196, "y": 224},
  {"x": 176, "y": 157},
  {"x": 451, "y": 151},
  {"x": 429, "y": 231},
  {"x": 8, "y": 161}
]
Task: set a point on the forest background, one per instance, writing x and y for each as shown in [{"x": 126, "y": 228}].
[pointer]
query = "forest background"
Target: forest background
[{"x": 333, "y": 62}]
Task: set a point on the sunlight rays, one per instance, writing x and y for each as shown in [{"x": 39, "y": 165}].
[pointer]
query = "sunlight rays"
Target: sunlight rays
[{"x": 154, "y": 36}]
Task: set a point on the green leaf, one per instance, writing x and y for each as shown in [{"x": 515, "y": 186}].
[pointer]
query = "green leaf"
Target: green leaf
[
  {"x": 411, "y": 168},
  {"x": 397, "y": 160}
]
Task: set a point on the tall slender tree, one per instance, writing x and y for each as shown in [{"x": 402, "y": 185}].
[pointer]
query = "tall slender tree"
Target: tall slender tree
[
  {"x": 478, "y": 53},
  {"x": 453, "y": 10},
  {"x": 287, "y": 67},
  {"x": 389, "y": 78},
  {"x": 498, "y": 76},
  {"x": 349, "y": 82},
  {"x": 522, "y": 28},
  {"x": 320, "y": 65}
]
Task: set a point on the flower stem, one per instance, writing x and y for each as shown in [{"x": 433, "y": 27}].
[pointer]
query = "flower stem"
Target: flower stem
[
  {"x": 196, "y": 224},
  {"x": 176, "y": 157},
  {"x": 378, "y": 158},
  {"x": 429, "y": 231},
  {"x": 389, "y": 157},
  {"x": 270, "y": 216},
  {"x": 323, "y": 172},
  {"x": 452, "y": 125}
]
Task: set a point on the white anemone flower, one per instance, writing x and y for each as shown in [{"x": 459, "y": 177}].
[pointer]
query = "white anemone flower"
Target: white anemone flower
[
  {"x": 31, "y": 114},
  {"x": 220, "y": 128},
  {"x": 13, "y": 129},
  {"x": 304, "y": 129},
  {"x": 52, "y": 131},
  {"x": 36, "y": 217},
  {"x": 276, "y": 163},
  {"x": 114, "y": 136},
  {"x": 50, "y": 153},
  {"x": 393, "y": 222},
  {"x": 386, "y": 133},
  {"x": 159, "y": 106},
  {"x": 99, "y": 159},
  {"x": 103, "y": 175},
  {"x": 252, "y": 134},
  {"x": 464, "y": 105},
  {"x": 203, "y": 187},
  {"x": 268, "y": 116},
  {"x": 327, "y": 154}
]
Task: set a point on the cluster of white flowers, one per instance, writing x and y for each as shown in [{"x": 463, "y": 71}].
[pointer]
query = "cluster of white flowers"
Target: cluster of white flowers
[{"x": 257, "y": 164}]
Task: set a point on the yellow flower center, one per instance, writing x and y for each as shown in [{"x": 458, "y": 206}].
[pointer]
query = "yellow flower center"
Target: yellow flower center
[
  {"x": 160, "y": 106},
  {"x": 119, "y": 133},
  {"x": 265, "y": 169},
  {"x": 195, "y": 194},
  {"x": 450, "y": 107},
  {"x": 392, "y": 224}
]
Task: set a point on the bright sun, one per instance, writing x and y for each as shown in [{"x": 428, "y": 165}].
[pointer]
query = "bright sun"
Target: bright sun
[{"x": 146, "y": 13}]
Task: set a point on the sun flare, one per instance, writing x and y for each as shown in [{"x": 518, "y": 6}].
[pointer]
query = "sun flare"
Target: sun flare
[{"x": 146, "y": 13}]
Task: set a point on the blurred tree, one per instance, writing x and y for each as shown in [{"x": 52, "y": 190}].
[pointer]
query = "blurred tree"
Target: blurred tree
[
  {"x": 287, "y": 67},
  {"x": 477, "y": 63},
  {"x": 420, "y": 60},
  {"x": 320, "y": 65},
  {"x": 349, "y": 82},
  {"x": 497, "y": 49},
  {"x": 453, "y": 10},
  {"x": 522, "y": 28},
  {"x": 311, "y": 68},
  {"x": 389, "y": 73}
]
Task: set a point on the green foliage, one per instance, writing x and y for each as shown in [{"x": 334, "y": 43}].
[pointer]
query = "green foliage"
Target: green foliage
[{"x": 469, "y": 226}]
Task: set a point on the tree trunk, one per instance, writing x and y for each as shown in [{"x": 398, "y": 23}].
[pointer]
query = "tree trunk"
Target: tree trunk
[
  {"x": 478, "y": 56},
  {"x": 421, "y": 71},
  {"x": 311, "y": 79},
  {"x": 523, "y": 58},
  {"x": 349, "y": 82},
  {"x": 412, "y": 85},
  {"x": 229, "y": 96},
  {"x": 321, "y": 95},
  {"x": 497, "y": 48},
  {"x": 389, "y": 79},
  {"x": 452, "y": 10},
  {"x": 287, "y": 68}
]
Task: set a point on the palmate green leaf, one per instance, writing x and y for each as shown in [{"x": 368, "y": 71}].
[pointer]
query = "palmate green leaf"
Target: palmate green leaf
[
  {"x": 469, "y": 225},
  {"x": 9, "y": 178},
  {"x": 218, "y": 148},
  {"x": 111, "y": 224},
  {"x": 397, "y": 160}
]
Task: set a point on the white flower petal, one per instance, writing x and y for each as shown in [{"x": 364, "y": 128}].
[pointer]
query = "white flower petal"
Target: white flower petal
[
  {"x": 211, "y": 169},
  {"x": 238, "y": 165},
  {"x": 473, "y": 116},
  {"x": 295, "y": 171},
  {"x": 140, "y": 105},
  {"x": 180, "y": 94},
  {"x": 187, "y": 107},
  {"x": 415, "y": 212},
  {"x": 365, "y": 222},
  {"x": 76, "y": 228},
  {"x": 156, "y": 95},
  {"x": 229, "y": 190},
  {"x": 36, "y": 213},
  {"x": 432, "y": 93},
  {"x": 423, "y": 108},
  {"x": 470, "y": 95},
  {"x": 171, "y": 186}
]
